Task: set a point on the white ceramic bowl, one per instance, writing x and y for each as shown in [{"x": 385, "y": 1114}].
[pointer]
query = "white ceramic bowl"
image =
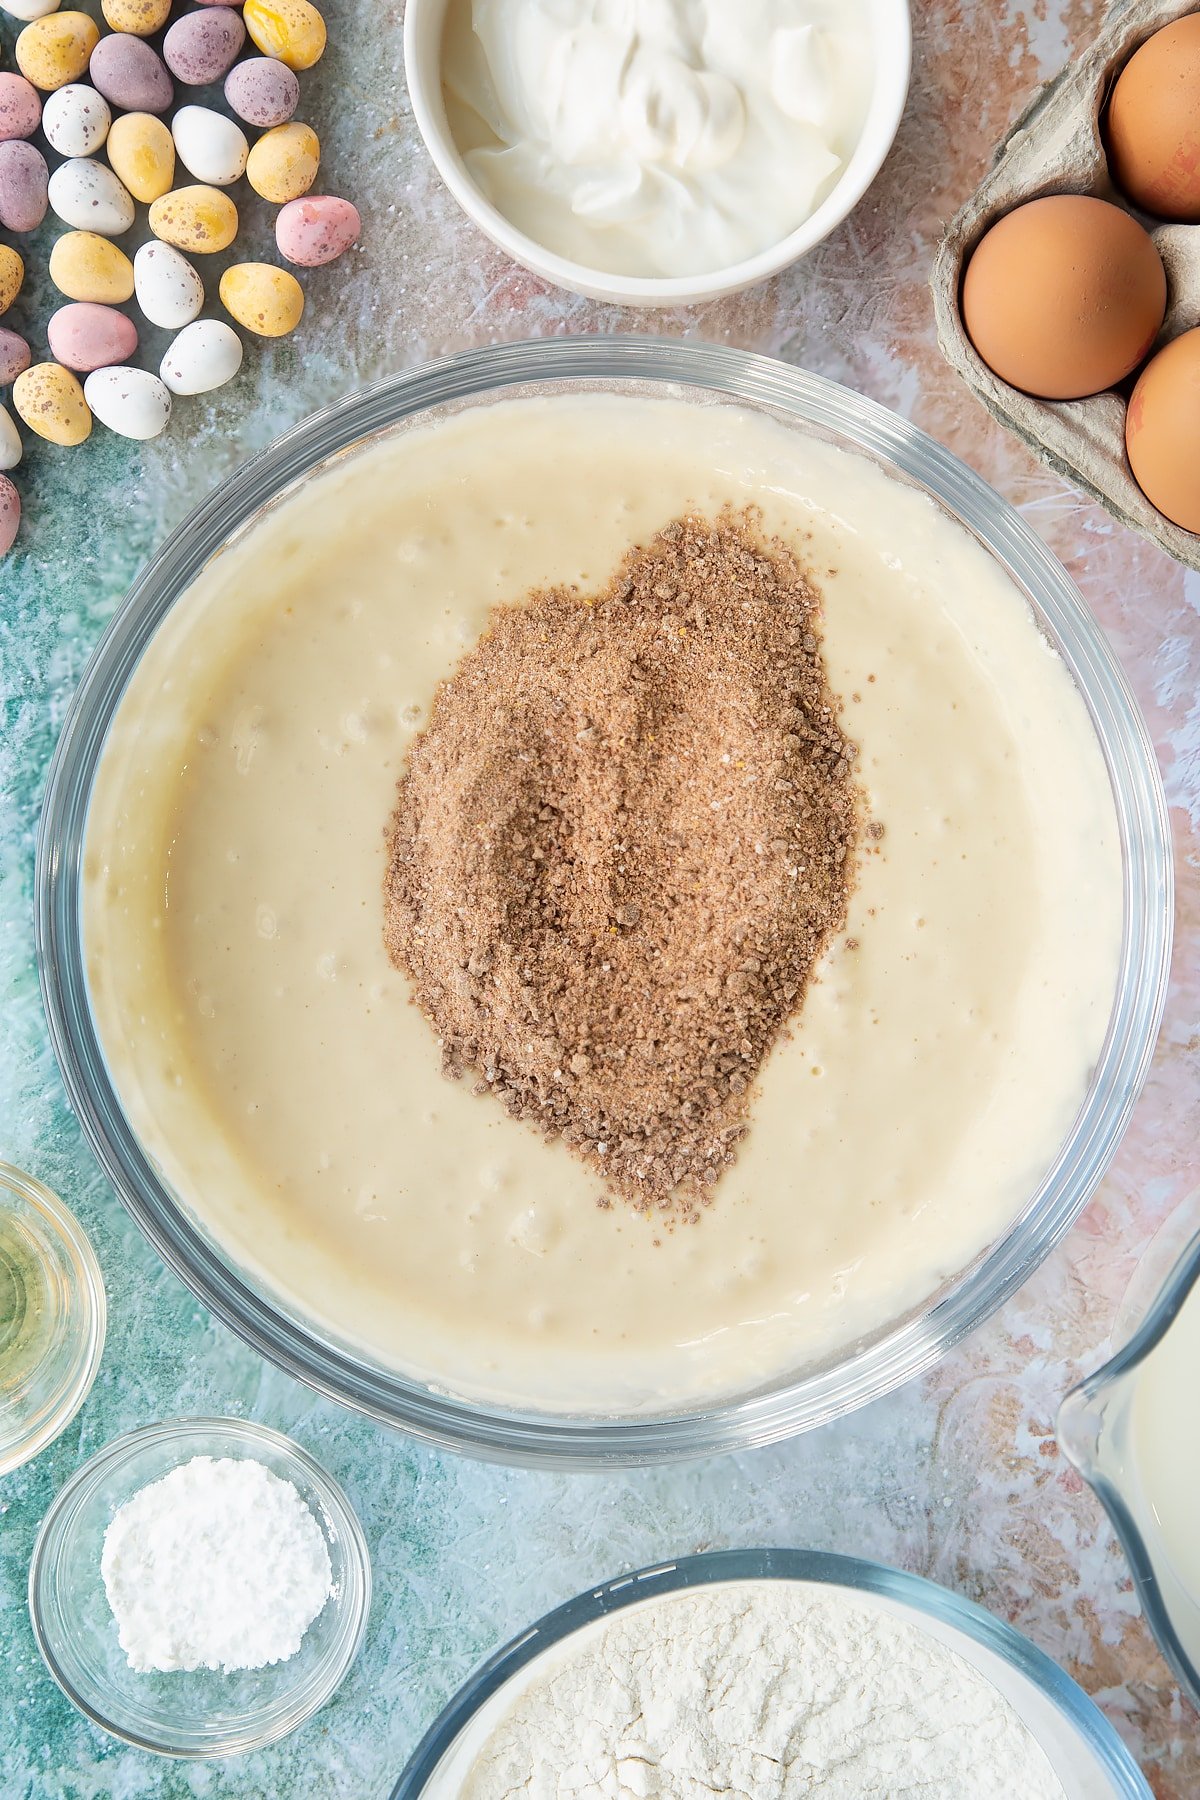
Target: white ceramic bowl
[{"x": 890, "y": 30}]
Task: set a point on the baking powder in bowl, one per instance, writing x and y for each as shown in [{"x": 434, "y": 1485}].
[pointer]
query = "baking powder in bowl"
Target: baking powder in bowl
[
  {"x": 766, "y": 1689},
  {"x": 219, "y": 1565}
]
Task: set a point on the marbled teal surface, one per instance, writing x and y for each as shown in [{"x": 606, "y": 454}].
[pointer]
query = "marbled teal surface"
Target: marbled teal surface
[{"x": 957, "y": 1477}]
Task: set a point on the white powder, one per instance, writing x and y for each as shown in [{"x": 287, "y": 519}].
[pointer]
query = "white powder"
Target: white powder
[
  {"x": 760, "y": 1691},
  {"x": 220, "y": 1565}
]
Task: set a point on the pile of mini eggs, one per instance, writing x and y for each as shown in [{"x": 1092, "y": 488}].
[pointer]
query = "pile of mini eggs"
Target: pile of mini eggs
[{"x": 113, "y": 93}]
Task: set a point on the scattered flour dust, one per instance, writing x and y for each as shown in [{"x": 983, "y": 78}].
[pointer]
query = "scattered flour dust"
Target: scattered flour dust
[
  {"x": 219, "y": 1565},
  {"x": 760, "y": 1691}
]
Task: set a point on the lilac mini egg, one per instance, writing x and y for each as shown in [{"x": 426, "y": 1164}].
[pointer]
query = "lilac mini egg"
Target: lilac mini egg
[
  {"x": 316, "y": 229},
  {"x": 14, "y": 356},
  {"x": 203, "y": 46},
  {"x": 84, "y": 337},
  {"x": 20, "y": 106},
  {"x": 24, "y": 179},
  {"x": 130, "y": 74},
  {"x": 262, "y": 91},
  {"x": 10, "y": 514}
]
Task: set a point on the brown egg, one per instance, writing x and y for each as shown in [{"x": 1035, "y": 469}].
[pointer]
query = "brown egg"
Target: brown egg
[
  {"x": 1162, "y": 431},
  {"x": 1153, "y": 126},
  {"x": 1064, "y": 296}
]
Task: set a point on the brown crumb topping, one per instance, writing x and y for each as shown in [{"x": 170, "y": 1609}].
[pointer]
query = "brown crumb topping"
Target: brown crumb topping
[{"x": 621, "y": 844}]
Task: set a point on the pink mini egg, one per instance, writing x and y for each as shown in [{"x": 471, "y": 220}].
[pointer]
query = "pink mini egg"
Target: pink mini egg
[
  {"x": 130, "y": 74},
  {"x": 10, "y": 514},
  {"x": 84, "y": 336},
  {"x": 14, "y": 355},
  {"x": 316, "y": 229},
  {"x": 262, "y": 91},
  {"x": 24, "y": 179},
  {"x": 202, "y": 46},
  {"x": 20, "y": 106}
]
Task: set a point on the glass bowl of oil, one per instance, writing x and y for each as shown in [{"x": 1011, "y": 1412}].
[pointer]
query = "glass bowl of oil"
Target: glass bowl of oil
[{"x": 52, "y": 1315}]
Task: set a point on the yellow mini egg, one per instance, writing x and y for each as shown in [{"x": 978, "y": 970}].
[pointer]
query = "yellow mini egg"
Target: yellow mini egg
[
  {"x": 12, "y": 274},
  {"x": 264, "y": 299},
  {"x": 85, "y": 266},
  {"x": 51, "y": 402},
  {"x": 290, "y": 30},
  {"x": 283, "y": 163},
  {"x": 198, "y": 219},
  {"x": 142, "y": 17},
  {"x": 56, "y": 49},
  {"x": 141, "y": 151}
]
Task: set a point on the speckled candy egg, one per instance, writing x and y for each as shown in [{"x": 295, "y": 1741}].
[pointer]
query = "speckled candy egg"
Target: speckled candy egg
[
  {"x": 76, "y": 119},
  {"x": 168, "y": 289},
  {"x": 203, "y": 46},
  {"x": 14, "y": 356},
  {"x": 87, "y": 196},
  {"x": 316, "y": 229},
  {"x": 84, "y": 337},
  {"x": 283, "y": 163},
  {"x": 20, "y": 106},
  {"x": 141, "y": 17},
  {"x": 56, "y": 49},
  {"x": 132, "y": 402},
  {"x": 130, "y": 74},
  {"x": 210, "y": 146},
  {"x": 200, "y": 220},
  {"x": 51, "y": 402},
  {"x": 23, "y": 184},
  {"x": 204, "y": 356},
  {"x": 10, "y": 441},
  {"x": 292, "y": 30},
  {"x": 266, "y": 300},
  {"x": 142, "y": 152},
  {"x": 262, "y": 91},
  {"x": 85, "y": 266},
  {"x": 10, "y": 514},
  {"x": 12, "y": 274}
]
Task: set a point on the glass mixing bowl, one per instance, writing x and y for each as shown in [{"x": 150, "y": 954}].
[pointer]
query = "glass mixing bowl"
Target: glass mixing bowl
[
  {"x": 1085, "y": 1752},
  {"x": 898, "y": 1351}
]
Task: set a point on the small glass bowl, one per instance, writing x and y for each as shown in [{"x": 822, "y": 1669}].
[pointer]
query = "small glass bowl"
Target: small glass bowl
[
  {"x": 52, "y": 1317},
  {"x": 1082, "y": 1747},
  {"x": 1093, "y": 1429},
  {"x": 200, "y": 1712}
]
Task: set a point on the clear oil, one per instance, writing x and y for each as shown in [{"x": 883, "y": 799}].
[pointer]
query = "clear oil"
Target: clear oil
[{"x": 27, "y": 1305}]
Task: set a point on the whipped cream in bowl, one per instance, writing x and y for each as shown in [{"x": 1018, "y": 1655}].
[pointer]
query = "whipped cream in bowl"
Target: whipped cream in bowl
[{"x": 657, "y": 151}]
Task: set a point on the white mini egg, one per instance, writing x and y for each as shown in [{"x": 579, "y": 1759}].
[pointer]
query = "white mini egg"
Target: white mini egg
[
  {"x": 10, "y": 442},
  {"x": 88, "y": 197},
  {"x": 131, "y": 402},
  {"x": 28, "y": 10},
  {"x": 210, "y": 146},
  {"x": 204, "y": 356},
  {"x": 76, "y": 119},
  {"x": 168, "y": 289}
]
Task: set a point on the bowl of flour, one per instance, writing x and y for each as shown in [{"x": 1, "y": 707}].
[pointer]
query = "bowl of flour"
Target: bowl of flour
[{"x": 776, "y": 1673}]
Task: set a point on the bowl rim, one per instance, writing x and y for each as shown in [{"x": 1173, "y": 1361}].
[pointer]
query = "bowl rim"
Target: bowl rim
[
  {"x": 822, "y": 1567},
  {"x": 908, "y": 1349},
  {"x": 123, "y": 1450},
  {"x": 1080, "y": 1418},
  {"x": 89, "y": 1296},
  {"x": 885, "y": 109}
]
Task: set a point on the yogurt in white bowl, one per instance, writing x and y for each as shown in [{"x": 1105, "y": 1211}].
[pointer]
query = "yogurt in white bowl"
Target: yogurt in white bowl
[{"x": 661, "y": 153}]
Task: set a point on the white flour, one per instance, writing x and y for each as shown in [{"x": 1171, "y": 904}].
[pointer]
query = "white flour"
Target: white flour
[
  {"x": 220, "y": 1565},
  {"x": 760, "y": 1691}
]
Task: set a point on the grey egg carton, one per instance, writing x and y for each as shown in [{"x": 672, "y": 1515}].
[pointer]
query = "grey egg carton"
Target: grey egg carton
[{"x": 1055, "y": 147}]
